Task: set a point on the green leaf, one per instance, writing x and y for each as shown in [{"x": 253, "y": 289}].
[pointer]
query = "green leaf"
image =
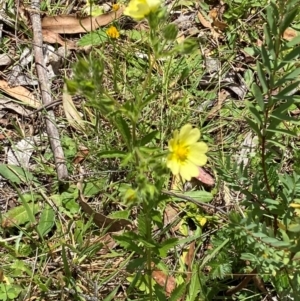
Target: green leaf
[
  {"x": 262, "y": 78},
  {"x": 291, "y": 56},
  {"x": 112, "y": 295},
  {"x": 194, "y": 286},
  {"x": 282, "y": 131},
  {"x": 112, "y": 154},
  {"x": 16, "y": 174},
  {"x": 18, "y": 215},
  {"x": 200, "y": 195},
  {"x": 258, "y": 96},
  {"x": 268, "y": 38},
  {"x": 124, "y": 214},
  {"x": 287, "y": 20},
  {"x": 254, "y": 127},
  {"x": 293, "y": 42},
  {"x": 46, "y": 221},
  {"x": 129, "y": 241},
  {"x": 255, "y": 113},
  {"x": 266, "y": 59},
  {"x": 166, "y": 245},
  {"x": 288, "y": 77},
  {"x": 178, "y": 292},
  {"x": 142, "y": 228},
  {"x": 94, "y": 38},
  {"x": 124, "y": 130},
  {"x": 294, "y": 228},
  {"x": 148, "y": 138},
  {"x": 287, "y": 91}
]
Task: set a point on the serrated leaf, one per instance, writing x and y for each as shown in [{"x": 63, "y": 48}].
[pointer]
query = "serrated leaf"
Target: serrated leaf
[
  {"x": 166, "y": 246},
  {"x": 194, "y": 286},
  {"x": 18, "y": 215},
  {"x": 46, "y": 221},
  {"x": 178, "y": 292},
  {"x": 128, "y": 241}
]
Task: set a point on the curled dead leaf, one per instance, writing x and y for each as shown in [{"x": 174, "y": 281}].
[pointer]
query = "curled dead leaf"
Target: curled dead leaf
[
  {"x": 289, "y": 34},
  {"x": 72, "y": 24},
  {"x": 20, "y": 93},
  {"x": 54, "y": 38},
  {"x": 205, "y": 177},
  {"x": 168, "y": 282}
]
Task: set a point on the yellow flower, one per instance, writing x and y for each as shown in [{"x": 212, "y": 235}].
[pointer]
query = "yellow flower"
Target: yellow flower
[
  {"x": 139, "y": 9},
  {"x": 115, "y": 7},
  {"x": 185, "y": 153},
  {"x": 112, "y": 32}
]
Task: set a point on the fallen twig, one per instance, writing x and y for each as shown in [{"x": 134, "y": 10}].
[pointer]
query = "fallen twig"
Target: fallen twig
[{"x": 52, "y": 131}]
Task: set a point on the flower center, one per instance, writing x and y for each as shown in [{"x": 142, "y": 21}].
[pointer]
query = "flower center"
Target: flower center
[{"x": 181, "y": 152}]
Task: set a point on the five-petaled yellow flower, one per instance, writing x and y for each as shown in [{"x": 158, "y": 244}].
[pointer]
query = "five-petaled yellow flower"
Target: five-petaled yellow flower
[
  {"x": 113, "y": 32},
  {"x": 115, "y": 6},
  {"x": 186, "y": 154},
  {"x": 139, "y": 9}
]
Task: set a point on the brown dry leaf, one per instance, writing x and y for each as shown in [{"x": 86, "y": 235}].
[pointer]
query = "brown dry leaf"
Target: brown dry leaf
[
  {"x": 170, "y": 215},
  {"x": 289, "y": 34},
  {"x": 71, "y": 112},
  {"x": 101, "y": 220},
  {"x": 168, "y": 282},
  {"x": 81, "y": 155},
  {"x": 222, "y": 96},
  {"x": 53, "y": 38},
  {"x": 108, "y": 244},
  {"x": 205, "y": 177},
  {"x": 20, "y": 93},
  {"x": 216, "y": 22},
  {"x": 72, "y": 24},
  {"x": 189, "y": 259},
  {"x": 204, "y": 21},
  {"x": 220, "y": 25},
  {"x": 190, "y": 256}
]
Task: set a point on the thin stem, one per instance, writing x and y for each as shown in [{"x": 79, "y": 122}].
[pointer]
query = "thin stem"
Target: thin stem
[{"x": 148, "y": 250}]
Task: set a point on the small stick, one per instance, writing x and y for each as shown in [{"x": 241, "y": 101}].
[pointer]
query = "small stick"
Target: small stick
[{"x": 52, "y": 131}]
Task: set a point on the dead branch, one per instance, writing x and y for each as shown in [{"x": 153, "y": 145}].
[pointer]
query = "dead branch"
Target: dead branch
[{"x": 52, "y": 131}]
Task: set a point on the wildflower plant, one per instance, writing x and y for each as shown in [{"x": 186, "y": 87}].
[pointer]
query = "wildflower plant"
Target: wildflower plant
[
  {"x": 146, "y": 165},
  {"x": 264, "y": 229}
]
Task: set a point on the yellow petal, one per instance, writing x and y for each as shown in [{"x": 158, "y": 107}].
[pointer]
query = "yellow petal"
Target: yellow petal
[
  {"x": 197, "y": 153},
  {"x": 153, "y": 4},
  {"x": 188, "y": 135},
  {"x": 173, "y": 164},
  {"x": 188, "y": 170},
  {"x": 200, "y": 160}
]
